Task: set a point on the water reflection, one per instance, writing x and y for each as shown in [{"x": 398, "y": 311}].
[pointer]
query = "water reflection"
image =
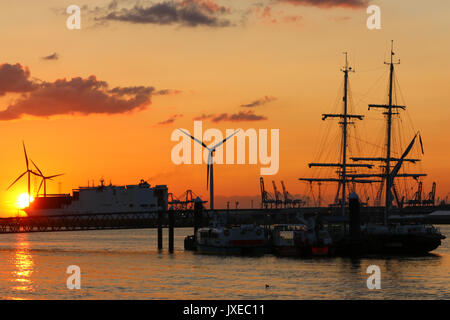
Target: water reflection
[{"x": 23, "y": 262}]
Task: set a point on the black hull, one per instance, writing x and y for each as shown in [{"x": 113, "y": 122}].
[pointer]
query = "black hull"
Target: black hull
[{"x": 389, "y": 244}]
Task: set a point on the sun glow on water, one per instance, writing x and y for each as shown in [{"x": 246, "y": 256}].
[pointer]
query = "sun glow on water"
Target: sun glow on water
[{"x": 22, "y": 201}]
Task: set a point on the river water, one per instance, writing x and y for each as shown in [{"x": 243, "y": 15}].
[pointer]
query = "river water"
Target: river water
[{"x": 125, "y": 264}]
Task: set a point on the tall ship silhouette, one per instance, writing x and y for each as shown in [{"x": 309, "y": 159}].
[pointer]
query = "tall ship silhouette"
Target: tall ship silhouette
[
  {"x": 387, "y": 173},
  {"x": 383, "y": 181}
]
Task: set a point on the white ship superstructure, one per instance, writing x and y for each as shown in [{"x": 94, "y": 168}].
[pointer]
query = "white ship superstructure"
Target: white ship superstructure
[{"x": 102, "y": 199}]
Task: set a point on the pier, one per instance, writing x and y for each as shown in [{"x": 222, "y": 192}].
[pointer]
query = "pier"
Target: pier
[{"x": 186, "y": 218}]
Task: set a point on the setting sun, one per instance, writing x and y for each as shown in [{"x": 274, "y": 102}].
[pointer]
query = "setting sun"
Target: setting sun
[{"x": 22, "y": 201}]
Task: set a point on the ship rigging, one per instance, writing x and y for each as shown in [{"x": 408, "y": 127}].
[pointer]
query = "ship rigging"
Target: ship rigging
[
  {"x": 392, "y": 164},
  {"x": 346, "y": 119}
]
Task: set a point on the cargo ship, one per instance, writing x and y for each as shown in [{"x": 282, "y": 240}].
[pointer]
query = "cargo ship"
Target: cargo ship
[{"x": 102, "y": 199}]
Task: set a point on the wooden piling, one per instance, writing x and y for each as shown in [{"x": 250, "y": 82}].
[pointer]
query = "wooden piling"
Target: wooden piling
[
  {"x": 198, "y": 213},
  {"x": 160, "y": 230},
  {"x": 355, "y": 219},
  {"x": 171, "y": 229}
]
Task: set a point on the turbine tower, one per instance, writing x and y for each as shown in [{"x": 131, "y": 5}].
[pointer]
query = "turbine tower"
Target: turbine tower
[{"x": 210, "y": 172}]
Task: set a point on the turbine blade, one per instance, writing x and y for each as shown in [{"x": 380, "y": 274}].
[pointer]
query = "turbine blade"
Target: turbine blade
[
  {"x": 39, "y": 189},
  {"x": 25, "y": 151},
  {"x": 223, "y": 141},
  {"x": 17, "y": 179},
  {"x": 195, "y": 139},
  {"x": 35, "y": 173},
  {"x": 37, "y": 167},
  {"x": 54, "y": 176}
]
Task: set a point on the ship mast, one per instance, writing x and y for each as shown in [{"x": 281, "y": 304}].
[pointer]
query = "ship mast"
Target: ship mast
[
  {"x": 344, "y": 133},
  {"x": 345, "y": 117},
  {"x": 389, "y": 135},
  {"x": 389, "y": 174}
]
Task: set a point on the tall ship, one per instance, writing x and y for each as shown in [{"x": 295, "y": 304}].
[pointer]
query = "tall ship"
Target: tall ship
[
  {"x": 386, "y": 174},
  {"x": 102, "y": 199},
  {"x": 384, "y": 169}
]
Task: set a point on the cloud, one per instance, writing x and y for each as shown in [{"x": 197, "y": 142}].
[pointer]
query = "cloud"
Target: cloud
[
  {"x": 53, "y": 56},
  {"x": 15, "y": 78},
  {"x": 78, "y": 95},
  {"x": 266, "y": 14},
  {"x": 259, "y": 102},
  {"x": 341, "y": 19},
  {"x": 166, "y": 92},
  {"x": 190, "y": 13},
  {"x": 204, "y": 116},
  {"x": 353, "y": 4},
  {"x": 170, "y": 120},
  {"x": 235, "y": 117}
]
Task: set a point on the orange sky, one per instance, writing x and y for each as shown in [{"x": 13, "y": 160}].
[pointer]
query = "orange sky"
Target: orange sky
[{"x": 290, "y": 52}]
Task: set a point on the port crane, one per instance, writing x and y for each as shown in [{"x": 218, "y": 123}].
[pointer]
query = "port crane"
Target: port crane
[
  {"x": 289, "y": 201},
  {"x": 431, "y": 196},
  {"x": 278, "y": 201},
  {"x": 266, "y": 199},
  {"x": 186, "y": 204},
  {"x": 417, "y": 200}
]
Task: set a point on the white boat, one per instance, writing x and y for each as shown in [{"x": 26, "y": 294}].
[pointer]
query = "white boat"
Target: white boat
[{"x": 243, "y": 239}]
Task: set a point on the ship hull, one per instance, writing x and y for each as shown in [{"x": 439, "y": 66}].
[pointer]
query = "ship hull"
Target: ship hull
[
  {"x": 209, "y": 249},
  {"x": 403, "y": 244},
  {"x": 301, "y": 251},
  {"x": 389, "y": 245}
]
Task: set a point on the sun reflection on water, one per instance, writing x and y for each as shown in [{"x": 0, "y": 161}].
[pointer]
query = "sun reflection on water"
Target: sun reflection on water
[{"x": 24, "y": 264}]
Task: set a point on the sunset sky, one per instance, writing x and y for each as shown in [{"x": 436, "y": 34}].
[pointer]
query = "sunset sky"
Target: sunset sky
[{"x": 103, "y": 101}]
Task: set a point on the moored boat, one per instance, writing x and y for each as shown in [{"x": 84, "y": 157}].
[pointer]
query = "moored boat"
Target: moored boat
[
  {"x": 299, "y": 240},
  {"x": 244, "y": 239}
]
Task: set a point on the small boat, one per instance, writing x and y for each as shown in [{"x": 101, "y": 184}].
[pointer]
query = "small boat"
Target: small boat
[
  {"x": 246, "y": 239},
  {"x": 300, "y": 240}
]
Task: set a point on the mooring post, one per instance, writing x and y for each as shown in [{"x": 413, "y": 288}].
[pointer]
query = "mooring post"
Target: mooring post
[
  {"x": 171, "y": 228},
  {"x": 198, "y": 210},
  {"x": 355, "y": 219},
  {"x": 160, "y": 231}
]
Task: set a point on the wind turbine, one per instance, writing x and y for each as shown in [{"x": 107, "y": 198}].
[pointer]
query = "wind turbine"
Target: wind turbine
[
  {"x": 44, "y": 179},
  {"x": 29, "y": 172},
  {"x": 210, "y": 172}
]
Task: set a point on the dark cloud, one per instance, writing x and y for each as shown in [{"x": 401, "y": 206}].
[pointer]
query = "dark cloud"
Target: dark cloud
[
  {"x": 75, "y": 96},
  {"x": 204, "y": 116},
  {"x": 15, "y": 78},
  {"x": 53, "y": 56},
  {"x": 170, "y": 120},
  {"x": 191, "y": 13},
  {"x": 259, "y": 102},
  {"x": 165, "y": 92},
  {"x": 235, "y": 117},
  {"x": 330, "y": 3}
]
